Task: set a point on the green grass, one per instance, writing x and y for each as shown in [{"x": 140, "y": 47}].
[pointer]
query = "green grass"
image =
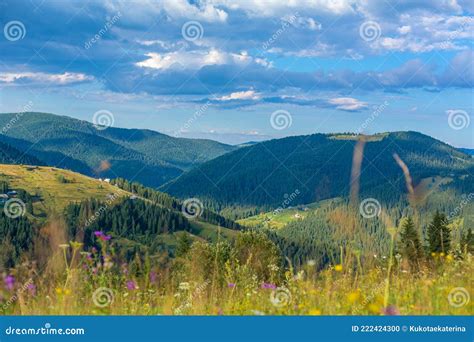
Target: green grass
[
  {"x": 71, "y": 286},
  {"x": 53, "y": 194},
  {"x": 211, "y": 232},
  {"x": 280, "y": 218},
  {"x": 274, "y": 220}
]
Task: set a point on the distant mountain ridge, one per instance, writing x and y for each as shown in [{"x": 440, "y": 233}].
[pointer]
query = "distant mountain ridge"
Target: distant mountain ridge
[
  {"x": 146, "y": 156},
  {"x": 10, "y": 155},
  {"x": 467, "y": 150},
  {"x": 317, "y": 167}
]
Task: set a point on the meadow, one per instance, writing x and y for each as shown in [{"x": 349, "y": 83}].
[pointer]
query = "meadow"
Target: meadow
[{"x": 220, "y": 279}]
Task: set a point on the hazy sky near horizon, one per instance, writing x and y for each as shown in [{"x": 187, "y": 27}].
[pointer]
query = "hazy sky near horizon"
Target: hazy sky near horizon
[{"x": 239, "y": 71}]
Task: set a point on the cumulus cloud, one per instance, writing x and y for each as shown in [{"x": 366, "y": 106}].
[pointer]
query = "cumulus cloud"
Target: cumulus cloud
[
  {"x": 200, "y": 10},
  {"x": 145, "y": 52},
  {"x": 241, "y": 95},
  {"x": 197, "y": 59},
  {"x": 347, "y": 103}
]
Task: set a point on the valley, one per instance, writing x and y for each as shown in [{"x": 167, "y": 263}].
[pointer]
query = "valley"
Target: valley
[{"x": 286, "y": 213}]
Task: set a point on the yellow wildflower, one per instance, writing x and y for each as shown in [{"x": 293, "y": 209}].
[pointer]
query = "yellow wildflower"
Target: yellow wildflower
[
  {"x": 338, "y": 268},
  {"x": 314, "y": 312},
  {"x": 433, "y": 254},
  {"x": 353, "y": 297},
  {"x": 373, "y": 308},
  {"x": 59, "y": 290},
  {"x": 449, "y": 257}
]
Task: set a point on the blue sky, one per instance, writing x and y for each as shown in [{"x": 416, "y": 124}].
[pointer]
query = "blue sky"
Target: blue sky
[{"x": 239, "y": 71}]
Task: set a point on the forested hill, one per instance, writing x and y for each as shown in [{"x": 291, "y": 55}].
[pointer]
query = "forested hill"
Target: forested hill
[
  {"x": 79, "y": 206},
  {"x": 148, "y": 157},
  {"x": 10, "y": 155},
  {"x": 317, "y": 167}
]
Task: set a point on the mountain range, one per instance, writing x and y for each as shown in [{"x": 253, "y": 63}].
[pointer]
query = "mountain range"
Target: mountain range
[
  {"x": 261, "y": 174},
  {"x": 146, "y": 156},
  {"x": 317, "y": 167}
]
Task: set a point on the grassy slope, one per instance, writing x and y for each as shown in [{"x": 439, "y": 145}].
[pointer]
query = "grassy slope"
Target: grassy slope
[
  {"x": 53, "y": 196},
  {"x": 279, "y": 219}
]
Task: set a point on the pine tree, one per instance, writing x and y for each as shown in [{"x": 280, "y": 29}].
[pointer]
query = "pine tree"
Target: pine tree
[
  {"x": 410, "y": 243},
  {"x": 184, "y": 244},
  {"x": 439, "y": 238}
]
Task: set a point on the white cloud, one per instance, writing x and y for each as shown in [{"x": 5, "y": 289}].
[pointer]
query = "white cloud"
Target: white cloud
[
  {"x": 197, "y": 59},
  {"x": 40, "y": 77},
  {"x": 425, "y": 33},
  {"x": 149, "y": 10},
  {"x": 162, "y": 44},
  {"x": 241, "y": 95},
  {"x": 258, "y": 8},
  {"x": 347, "y": 103},
  {"x": 404, "y": 29}
]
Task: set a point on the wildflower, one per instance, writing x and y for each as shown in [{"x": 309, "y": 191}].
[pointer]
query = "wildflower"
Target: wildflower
[
  {"x": 153, "y": 277},
  {"x": 31, "y": 289},
  {"x": 184, "y": 286},
  {"x": 338, "y": 268},
  {"x": 9, "y": 282},
  {"x": 449, "y": 257},
  {"x": 314, "y": 312},
  {"x": 373, "y": 308},
  {"x": 102, "y": 236},
  {"x": 273, "y": 267},
  {"x": 268, "y": 286},
  {"x": 391, "y": 310},
  {"x": 131, "y": 285},
  {"x": 76, "y": 245},
  {"x": 441, "y": 254},
  {"x": 231, "y": 285},
  {"x": 353, "y": 297},
  {"x": 67, "y": 292},
  {"x": 299, "y": 275},
  {"x": 124, "y": 267},
  {"x": 59, "y": 291},
  {"x": 433, "y": 254},
  {"x": 311, "y": 263}
]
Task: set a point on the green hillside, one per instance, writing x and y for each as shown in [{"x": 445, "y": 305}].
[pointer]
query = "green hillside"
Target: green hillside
[
  {"x": 146, "y": 156},
  {"x": 57, "y": 206},
  {"x": 318, "y": 167},
  {"x": 54, "y": 189},
  {"x": 10, "y": 155}
]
